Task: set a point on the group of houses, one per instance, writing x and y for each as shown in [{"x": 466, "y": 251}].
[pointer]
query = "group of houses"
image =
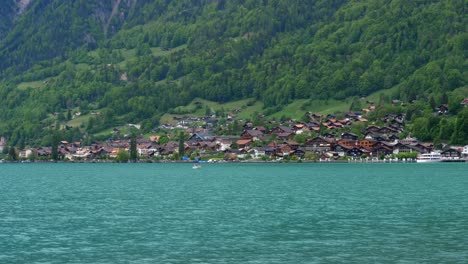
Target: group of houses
[{"x": 258, "y": 142}]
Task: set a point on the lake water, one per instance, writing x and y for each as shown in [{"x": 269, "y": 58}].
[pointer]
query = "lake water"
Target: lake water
[{"x": 234, "y": 213}]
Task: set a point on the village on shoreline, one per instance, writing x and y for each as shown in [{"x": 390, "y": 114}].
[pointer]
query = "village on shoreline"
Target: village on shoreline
[{"x": 324, "y": 138}]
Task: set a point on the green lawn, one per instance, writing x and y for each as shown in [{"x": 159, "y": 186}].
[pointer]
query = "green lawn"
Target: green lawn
[
  {"x": 246, "y": 109},
  {"x": 33, "y": 85}
]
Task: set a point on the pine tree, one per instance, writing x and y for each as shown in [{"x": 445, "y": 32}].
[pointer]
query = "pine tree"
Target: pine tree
[
  {"x": 12, "y": 153},
  {"x": 54, "y": 145},
  {"x": 133, "y": 148},
  {"x": 181, "y": 144}
]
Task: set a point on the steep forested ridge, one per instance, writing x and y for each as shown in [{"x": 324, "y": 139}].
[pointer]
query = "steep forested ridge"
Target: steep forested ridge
[
  {"x": 7, "y": 13},
  {"x": 135, "y": 60}
]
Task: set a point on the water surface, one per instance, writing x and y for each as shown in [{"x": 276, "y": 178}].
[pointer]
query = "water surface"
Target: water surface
[{"x": 233, "y": 213}]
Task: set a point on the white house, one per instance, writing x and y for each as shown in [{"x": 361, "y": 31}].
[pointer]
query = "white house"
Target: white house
[
  {"x": 464, "y": 152},
  {"x": 2, "y": 143}
]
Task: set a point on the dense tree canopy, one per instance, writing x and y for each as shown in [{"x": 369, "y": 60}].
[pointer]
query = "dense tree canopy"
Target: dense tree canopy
[{"x": 138, "y": 60}]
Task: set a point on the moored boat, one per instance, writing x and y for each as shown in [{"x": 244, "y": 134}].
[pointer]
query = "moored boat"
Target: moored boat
[{"x": 429, "y": 157}]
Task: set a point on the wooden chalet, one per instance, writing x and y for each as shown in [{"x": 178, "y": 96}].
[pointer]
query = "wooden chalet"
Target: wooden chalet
[
  {"x": 282, "y": 130},
  {"x": 319, "y": 144},
  {"x": 349, "y": 136},
  {"x": 464, "y": 102},
  {"x": 252, "y": 134},
  {"x": 366, "y": 143},
  {"x": 451, "y": 154},
  {"x": 200, "y": 137},
  {"x": 243, "y": 143},
  {"x": 285, "y": 136}
]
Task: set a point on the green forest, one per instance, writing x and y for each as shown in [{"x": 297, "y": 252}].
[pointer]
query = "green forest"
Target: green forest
[{"x": 138, "y": 60}]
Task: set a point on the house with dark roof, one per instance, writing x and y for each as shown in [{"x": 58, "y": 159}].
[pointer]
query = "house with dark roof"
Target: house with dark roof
[
  {"x": 319, "y": 144},
  {"x": 252, "y": 134},
  {"x": 200, "y": 137}
]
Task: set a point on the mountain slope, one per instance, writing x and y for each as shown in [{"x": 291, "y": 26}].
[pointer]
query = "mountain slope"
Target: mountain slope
[{"x": 136, "y": 60}]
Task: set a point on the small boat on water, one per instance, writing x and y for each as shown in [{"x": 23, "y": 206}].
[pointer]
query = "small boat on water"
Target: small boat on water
[
  {"x": 196, "y": 165},
  {"x": 429, "y": 157}
]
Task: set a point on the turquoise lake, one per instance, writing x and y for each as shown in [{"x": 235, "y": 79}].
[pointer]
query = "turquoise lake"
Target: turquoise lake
[{"x": 234, "y": 213}]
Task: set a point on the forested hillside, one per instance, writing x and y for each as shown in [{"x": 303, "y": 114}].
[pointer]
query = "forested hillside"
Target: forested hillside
[{"x": 135, "y": 60}]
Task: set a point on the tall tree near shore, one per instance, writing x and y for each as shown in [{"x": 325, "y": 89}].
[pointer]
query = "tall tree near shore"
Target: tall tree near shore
[
  {"x": 54, "y": 146},
  {"x": 181, "y": 144},
  {"x": 133, "y": 148},
  {"x": 12, "y": 153}
]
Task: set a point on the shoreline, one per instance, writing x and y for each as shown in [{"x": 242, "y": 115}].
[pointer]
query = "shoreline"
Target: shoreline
[{"x": 231, "y": 161}]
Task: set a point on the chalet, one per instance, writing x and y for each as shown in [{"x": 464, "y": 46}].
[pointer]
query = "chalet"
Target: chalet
[
  {"x": 442, "y": 109},
  {"x": 345, "y": 122},
  {"x": 211, "y": 122},
  {"x": 387, "y": 130},
  {"x": 300, "y": 128},
  {"x": 347, "y": 142},
  {"x": 146, "y": 150},
  {"x": 316, "y": 116},
  {"x": 464, "y": 150},
  {"x": 355, "y": 152},
  {"x": 285, "y": 136},
  {"x": 284, "y": 150},
  {"x": 24, "y": 154},
  {"x": 328, "y": 156},
  {"x": 232, "y": 154},
  {"x": 349, "y": 136},
  {"x": 282, "y": 130},
  {"x": 372, "y": 128},
  {"x": 423, "y": 147},
  {"x": 169, "y": 148},
  {"x": 196, "y": 130},
  {"x": 298, "y": 152},
  {"x": 374, "y": 136},
  {"x": 294, "y": 145},
  {"x": 257, "y": 152},
  {"x": 43, "y": 152},
  {"x": 114, "y": 152},
  {"x": 260, "y": 128},
  {"x": 366, "y": 143},
  {"x": 200, "y": 137},
  {"x": 405, "y": 148},
  {"x": 269, "y": 151},
  {"x": 95, "y": 153},
  {"x": 408, "y": 141},
  {"x": 353, "y": 115},
  {"x": 341, "y": 149},
  {"x": 252, "y": 134},
  {"x": 382, "y": 149},
  {"x": 79, "y": 154},
  {"x": 223, "y": 144},
  {"x": 319, "y": 144},
  {"x": 243, "y": 143},
  {"x": 464, "y": 102},
  {"x": 273, "y": 144},
  {"x": 451, "y": 154},
  {"x": 248, "y": 125},
  {"x": 314, "y": 125},
  {"x": 203, "y": 146}
]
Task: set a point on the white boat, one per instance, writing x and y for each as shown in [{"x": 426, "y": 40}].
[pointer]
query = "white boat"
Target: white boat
[
  {"x": 196, "y": 166},
  {"x": 429, "y": 157}
]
